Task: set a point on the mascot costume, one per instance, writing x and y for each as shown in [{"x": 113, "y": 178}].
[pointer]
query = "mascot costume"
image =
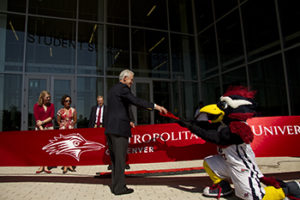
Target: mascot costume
[{"x": 226, "y": 126}]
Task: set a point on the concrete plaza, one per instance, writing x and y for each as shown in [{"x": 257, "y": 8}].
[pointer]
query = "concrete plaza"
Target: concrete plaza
[{"x": 21, "y": 183}]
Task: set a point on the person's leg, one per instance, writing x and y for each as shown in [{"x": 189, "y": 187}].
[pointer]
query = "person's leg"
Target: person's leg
[
  {"x": 41, "y": 169},
  {"x": 215, "y": 178},
  {"x": 216, "y": 168},
  {"x": 246, "y": 183},
  {"x": 112, "y": 158},
  {"x": 127, "y": 164},
  {"x": 65, "y": 170},
  {"x": 47, "y": 170},
  {"x": 119, "y": 148},
  {"x": 109, "y": 165}
]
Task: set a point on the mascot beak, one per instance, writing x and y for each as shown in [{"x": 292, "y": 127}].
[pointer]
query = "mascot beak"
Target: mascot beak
[{"x": 215, "y": 114}]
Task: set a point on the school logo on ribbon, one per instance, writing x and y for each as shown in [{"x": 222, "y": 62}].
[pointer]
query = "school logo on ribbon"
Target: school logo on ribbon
[{"x": 72, "y": 144}]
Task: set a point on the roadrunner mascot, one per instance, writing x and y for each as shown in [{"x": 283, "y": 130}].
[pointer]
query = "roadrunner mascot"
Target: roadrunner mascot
[{"x": 226, "y": 126}]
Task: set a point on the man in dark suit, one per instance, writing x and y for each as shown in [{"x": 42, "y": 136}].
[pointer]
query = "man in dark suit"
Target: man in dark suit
[
  {"x": 118, "y": 127},
  {"x": 97, "y": 114}
]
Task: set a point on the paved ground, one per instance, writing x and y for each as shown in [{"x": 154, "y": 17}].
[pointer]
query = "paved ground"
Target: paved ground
[{"x": 21, "y": 183}]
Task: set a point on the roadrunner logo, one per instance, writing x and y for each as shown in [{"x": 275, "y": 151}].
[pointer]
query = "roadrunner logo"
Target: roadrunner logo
[{"x": 73, "y": 145}]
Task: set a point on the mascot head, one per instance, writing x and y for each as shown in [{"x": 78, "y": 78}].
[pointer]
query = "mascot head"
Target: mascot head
[{"x": 236, "y": 104}]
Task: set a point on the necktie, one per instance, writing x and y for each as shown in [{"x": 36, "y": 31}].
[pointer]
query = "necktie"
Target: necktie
[{"x": 99, "y": 116}]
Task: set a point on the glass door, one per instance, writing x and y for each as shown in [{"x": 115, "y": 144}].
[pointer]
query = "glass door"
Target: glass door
[
  {"x": 143, "y": 89},
  {"x": 57, "y": 86},
  {"x": 61, "y": 86},
  {"x": 34, "y": 84}
]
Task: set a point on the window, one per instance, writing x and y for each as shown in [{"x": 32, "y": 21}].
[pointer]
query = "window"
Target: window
[
  {"x": 190, "y": 99},
  {"x": 11, "y": 42},
  {"x": 150, "y": 53},
  {"x": 118, "y": 11},
  {"x": 87, "y": 91},
  {"x": 117, "y": 49},
  {"x": 204, "y": 14},
  {"x": 90, "y": 49},
  {"x": 207, "y": 52},
  {"x": 10, "y": 107},
  {"x": 230, "y": 41},
  {"x": 50, "y": 46},
  {"x": 181, "y": 16},
  {"x": 13, "y": 5},
  {"x": 91, "y": 10},
  {"x": 161, "y": 96},
  {"x": 236, "y": 77},
  {"x": 211, "y": 90},
  {"x": 266, "y": 77},
  {"x": 183, "y": 57},
  {"x": 57, "y": 8},
  {"x": 293, "y": 72},
  {"x": 149, "y": 13},
  {"x": 289, "y": 17},
  {"x": 223, "y": 7},
  {"x": 260, "y": 28}
]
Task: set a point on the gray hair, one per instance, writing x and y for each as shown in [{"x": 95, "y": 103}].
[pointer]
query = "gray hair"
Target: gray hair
[{"x": 124, "y": 73}]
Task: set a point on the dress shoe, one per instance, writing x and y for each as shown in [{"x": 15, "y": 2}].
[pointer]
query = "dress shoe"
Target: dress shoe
[
  {"x": 71, "y": 170},
  {"x": 124, "y": 191},
  {"x": 48, "y": 171},
  {"x": 39, "y": 171}
]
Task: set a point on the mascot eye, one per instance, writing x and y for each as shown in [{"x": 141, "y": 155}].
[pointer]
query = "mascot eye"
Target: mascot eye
[
  {"x": 76, "y": 143},
  {"x": 224, "y": 105}
]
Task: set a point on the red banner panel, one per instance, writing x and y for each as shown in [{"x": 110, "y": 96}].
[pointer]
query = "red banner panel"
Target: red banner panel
[
  {"x": 274, "y": 136},
  {"x": 148, "y": 144}
]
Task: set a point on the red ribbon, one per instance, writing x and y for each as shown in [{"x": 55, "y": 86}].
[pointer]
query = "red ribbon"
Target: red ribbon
[{"x": 169, "y": 114}]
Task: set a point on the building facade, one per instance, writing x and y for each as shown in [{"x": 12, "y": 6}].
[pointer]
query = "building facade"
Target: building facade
[{"x": 182, "y": 52}]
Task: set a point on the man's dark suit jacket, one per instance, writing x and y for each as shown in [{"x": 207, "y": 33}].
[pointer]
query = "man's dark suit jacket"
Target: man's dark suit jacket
[
  {"x": 117, "y": 119},
  {"x": 93, "y": 116}
]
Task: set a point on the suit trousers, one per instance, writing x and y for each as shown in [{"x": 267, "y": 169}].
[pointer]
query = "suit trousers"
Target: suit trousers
[{"x": 117, "y": 146}]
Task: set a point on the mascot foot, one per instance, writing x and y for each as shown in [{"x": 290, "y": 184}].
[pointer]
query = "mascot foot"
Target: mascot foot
[
  {"x": 219, "y": 190},
  {"x": 292, "y": 190}
]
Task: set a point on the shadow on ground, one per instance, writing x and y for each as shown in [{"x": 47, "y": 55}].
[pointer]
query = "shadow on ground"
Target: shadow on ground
[
  {"x": 188, "y": 184},
  {"x": 133, "y": 180}
]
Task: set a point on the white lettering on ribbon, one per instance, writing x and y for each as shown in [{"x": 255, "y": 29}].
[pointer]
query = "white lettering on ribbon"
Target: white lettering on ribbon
[
  {"x": 144, "y": 149},
  {"x": 165, "y": 136},
  {"x": 276, "y": 130},
  {"x": 157, "y": 137}
]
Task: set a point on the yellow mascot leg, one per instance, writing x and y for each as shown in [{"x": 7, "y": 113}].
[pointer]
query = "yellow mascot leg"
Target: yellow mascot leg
[
  {"x": 211, "y": 174},
  {"x": 273, "y": 194}
]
